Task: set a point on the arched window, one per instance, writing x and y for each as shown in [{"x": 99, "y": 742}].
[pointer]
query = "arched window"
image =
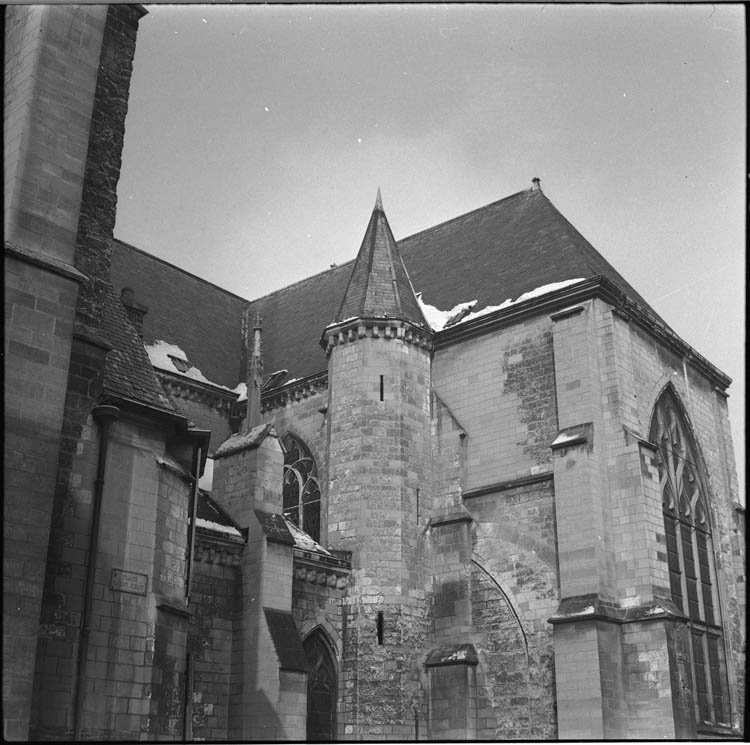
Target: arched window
[
  {"x": 321, "y": 689},
  {"x": 692, "y": 574},
  {"x": 301, "y": 490}
]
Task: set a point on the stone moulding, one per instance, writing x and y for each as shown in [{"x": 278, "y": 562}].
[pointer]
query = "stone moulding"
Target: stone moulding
[
  {"x": 213, "y": 548},
  {"x": 579, "y": 434},
  {"x": 457, "y": 654},
  {"x": 44, "y": 261},
  {"x": 187, "y": 389},
  {"x": 501, "y": 486},
  {"x": 316, "y": 568},
  {"x": 375, "y": 328},
  {"x": 294, "y": 390},
  {"x": 451, "y": 518},
  {"x": 593, "y": 608},
  {"x": 279, "y": 397}
]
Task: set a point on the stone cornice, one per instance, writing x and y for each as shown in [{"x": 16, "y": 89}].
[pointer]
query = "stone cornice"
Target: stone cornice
[
  {"x": 179, "y": 386},
  {"x": 213, "y": 548},
  {"x": 375, "y": 328},
  {"x": 593, "y": 287},
  {"x": 320, "y": 569},
  {"x": 294, "y": 390},
  {"x": 279, "y": 397}
]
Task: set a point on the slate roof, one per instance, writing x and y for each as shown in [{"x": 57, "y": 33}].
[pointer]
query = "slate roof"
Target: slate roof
[
  {"x": 493, "y": 253},
  {"x": 379, "y": 285},
  {"x": 127, "y": 369},
  {"x": 210, "y": 514},
  {"x": 204, "y": 320},
  {"x": 286, "y": 640}
]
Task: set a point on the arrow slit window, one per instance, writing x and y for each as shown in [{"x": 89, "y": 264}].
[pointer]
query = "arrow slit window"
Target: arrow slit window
[
  {"x": 690, "y": 556},
  {"x": 301, "y": 489}
]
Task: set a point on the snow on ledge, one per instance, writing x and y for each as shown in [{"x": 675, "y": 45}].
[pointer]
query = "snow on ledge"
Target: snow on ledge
[{"x": 561, "y": 439}]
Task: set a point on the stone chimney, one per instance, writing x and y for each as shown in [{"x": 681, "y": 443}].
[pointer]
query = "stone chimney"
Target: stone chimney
[{"x": 136, "y": 311}]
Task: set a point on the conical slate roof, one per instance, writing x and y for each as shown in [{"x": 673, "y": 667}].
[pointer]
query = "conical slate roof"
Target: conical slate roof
[{"x": 379, "y": 285}]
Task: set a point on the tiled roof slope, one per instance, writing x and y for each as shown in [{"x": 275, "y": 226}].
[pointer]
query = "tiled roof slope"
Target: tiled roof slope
[
  {"x": 496, "y": 252},
  {"x": 379, "y": 284},
  {"x": 127, "y": 369},
  {"x": 202, "y": 319},
  {"x": 501, "y": 251}
]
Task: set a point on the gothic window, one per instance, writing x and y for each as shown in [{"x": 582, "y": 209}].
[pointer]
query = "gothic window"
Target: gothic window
[
  {"x": 321, "y": 689},
  {"x": 301, "y": 490},
  {"x": 692, "y": 574}
]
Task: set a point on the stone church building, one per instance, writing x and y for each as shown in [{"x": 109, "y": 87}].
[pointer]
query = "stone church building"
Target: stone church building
[{"x": 469, "y": 485}]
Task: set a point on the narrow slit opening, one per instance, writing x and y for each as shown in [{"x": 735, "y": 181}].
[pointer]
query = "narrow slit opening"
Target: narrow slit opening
[{"x": 380, "y": 628}]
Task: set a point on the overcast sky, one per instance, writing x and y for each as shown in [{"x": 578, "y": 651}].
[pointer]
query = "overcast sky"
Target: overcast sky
[{"x": 257, "y": 137}]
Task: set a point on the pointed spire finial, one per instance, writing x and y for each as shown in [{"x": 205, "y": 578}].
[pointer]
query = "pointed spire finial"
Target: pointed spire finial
[{"x": 379, "y": 201}]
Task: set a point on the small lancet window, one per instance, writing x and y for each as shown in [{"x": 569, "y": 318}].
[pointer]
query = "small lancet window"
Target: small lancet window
[{"x": 301, "y": 489}]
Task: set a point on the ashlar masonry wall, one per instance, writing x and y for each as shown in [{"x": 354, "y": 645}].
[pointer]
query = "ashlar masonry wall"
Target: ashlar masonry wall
[
  {"x": 133, "y": 674},
  {"x": 500, "y": 389},
  {"x": 214, "y": 601},
  {"x": 609, "y": 372},
  {"x": 495, "y": 421},
  {"x": 706, "y": 407},
  {"x": 51, "y": 65}
]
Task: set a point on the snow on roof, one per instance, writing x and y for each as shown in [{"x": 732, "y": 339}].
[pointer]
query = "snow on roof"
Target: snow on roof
[
  {"x": 338, "y": 323},
  {"x": 303, "y": 540},
  {"x": 241, "y": 389},
  {"x": 440, "y": 319},
  {"x": 163, "y": 355},
  {"x": 217, "y": 527}
]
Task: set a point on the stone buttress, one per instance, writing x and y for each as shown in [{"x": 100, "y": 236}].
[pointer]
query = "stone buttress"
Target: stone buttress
[{"x": 268, "y": 676}]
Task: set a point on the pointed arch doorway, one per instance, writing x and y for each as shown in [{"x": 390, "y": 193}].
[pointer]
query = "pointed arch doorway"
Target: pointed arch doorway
[{"x": 321, "y": 688}]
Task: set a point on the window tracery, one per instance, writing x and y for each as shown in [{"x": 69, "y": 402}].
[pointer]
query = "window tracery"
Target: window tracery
[
  {"x": 301, "y": 488},
  {"x": 692, "y": 574}
]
